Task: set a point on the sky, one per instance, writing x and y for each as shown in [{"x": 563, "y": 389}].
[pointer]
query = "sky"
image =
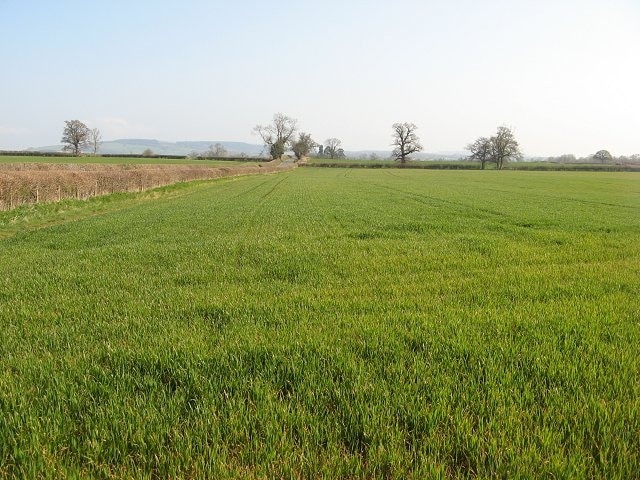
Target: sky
[{"x": 563, "y": 74}]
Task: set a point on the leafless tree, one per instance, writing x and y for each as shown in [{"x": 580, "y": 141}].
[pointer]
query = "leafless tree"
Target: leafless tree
[
  {"x": 603, "y": 156},
  {"x": 405, "y": 141},
  {"x": 566, "y": 158},
  {"x": 480, "y": 151},
  {"x": 147, "y": 152},
  {"x": 95, "y": 140},
  {"x": 217, "y": 151},
  {"x": 75, "y": 136},
  {"x": 277, "y": 136},
  {"x": 303, "y": 145},
  {"x": 504, "y": 147},
  {"x": 332, "y": 147}
]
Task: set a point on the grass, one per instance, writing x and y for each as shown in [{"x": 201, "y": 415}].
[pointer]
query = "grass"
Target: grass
[
  {"x": 326, "y": 323},
  {"x": 468, "y": 165},
  {"x": 119, "y": 160}
]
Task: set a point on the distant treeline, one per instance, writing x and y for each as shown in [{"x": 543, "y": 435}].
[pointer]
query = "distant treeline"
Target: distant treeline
[
  {"x": 580, "y": 167},
  {"x": 453, "y": 165},
  {"x": 22, "y": 153},
  {"x": 601, "y": 157}
]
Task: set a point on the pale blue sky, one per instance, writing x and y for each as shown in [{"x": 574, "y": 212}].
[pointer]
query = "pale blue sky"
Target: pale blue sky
[{"x": 564, "y": 74}]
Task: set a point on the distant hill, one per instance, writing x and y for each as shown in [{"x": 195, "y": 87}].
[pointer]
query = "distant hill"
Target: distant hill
[
  {"x": 139, "y": 145},
  {"x": 159, "y": 147}
]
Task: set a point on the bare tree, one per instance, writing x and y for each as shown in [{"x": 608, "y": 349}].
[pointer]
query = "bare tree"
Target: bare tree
[
  {"x": 147, "y": 152},
  {"x": 303, "y": 145},
  {"x": 217, "y": 151},
  {"x": 75, "y": 136},
  {"x": 95, "y": 140},
  {"x": 603, "y": 156},
  {"x": 480, "y": 151},
  {"x": 567, "y": 158},
  {"x": 277, "y": 136},
  {"x": 332, "y": 147},
  {"x": 405, "y": 141},
  {"x": 504, "y": 147}
]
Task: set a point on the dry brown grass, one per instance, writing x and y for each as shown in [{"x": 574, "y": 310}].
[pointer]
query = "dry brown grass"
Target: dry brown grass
[{"x": 23, "y": 183}]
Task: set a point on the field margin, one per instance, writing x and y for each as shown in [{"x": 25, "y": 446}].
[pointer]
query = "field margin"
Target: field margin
[{"x": 29, "y": 183}]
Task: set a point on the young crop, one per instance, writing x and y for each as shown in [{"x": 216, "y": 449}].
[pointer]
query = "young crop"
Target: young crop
[{"x": 338, "y": 323}]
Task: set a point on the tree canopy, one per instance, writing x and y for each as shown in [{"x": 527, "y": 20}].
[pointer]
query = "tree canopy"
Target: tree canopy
[
  {"x": 500, "y": 149},
  {"x": 75, "y": 136},
  {"x": 303, "y": 145},
  {"x": 480, "y": 151},
  {"x": 603, "y": 156},
  {"x": 405, "y": 141},
  {"x": 504, "y": 147},
  {"x": 333, "y": 148},
  {"x": 278, "y": 135}
]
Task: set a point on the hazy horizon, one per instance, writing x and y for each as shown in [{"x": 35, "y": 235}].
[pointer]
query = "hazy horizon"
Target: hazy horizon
[{"x": 562, "y": 74}]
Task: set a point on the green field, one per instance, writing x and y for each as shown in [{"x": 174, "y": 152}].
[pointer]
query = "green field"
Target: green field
[
  {"x": 468, "y": 165},
  {"x": 119, "y": 160},
  {"x": 326, "y": 323}
]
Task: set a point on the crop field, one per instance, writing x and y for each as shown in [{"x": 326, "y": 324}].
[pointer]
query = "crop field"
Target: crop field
[
  {"x": 326, "y": 323},
  {"x": 629, "y": 166}
]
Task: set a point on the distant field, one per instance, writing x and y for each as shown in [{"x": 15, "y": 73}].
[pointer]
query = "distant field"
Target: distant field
[
  {"x": 326, "y": 323},
  {"x": 466, "y": 165},
  {"x": 117, "y": 160}
]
